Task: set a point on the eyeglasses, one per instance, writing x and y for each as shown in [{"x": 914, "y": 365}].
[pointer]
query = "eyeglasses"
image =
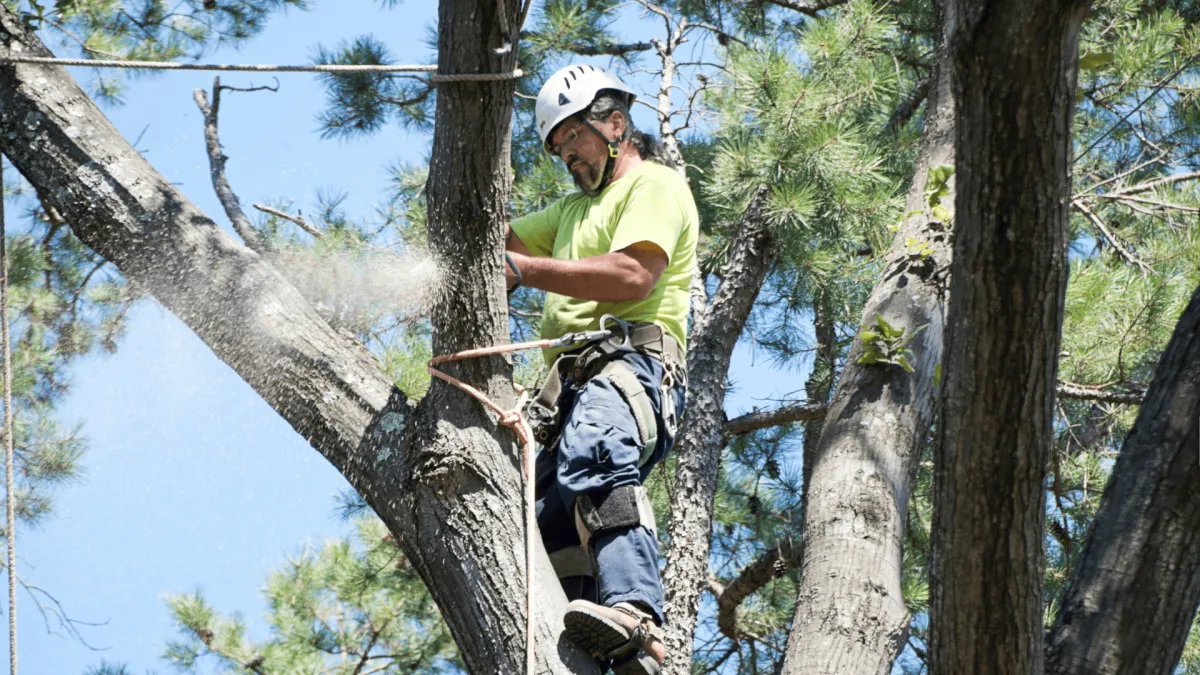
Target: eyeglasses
[{"x": 568, "y": 141}]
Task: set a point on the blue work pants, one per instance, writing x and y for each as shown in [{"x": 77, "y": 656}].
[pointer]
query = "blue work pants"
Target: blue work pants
[{"x": 598, "y": 450}]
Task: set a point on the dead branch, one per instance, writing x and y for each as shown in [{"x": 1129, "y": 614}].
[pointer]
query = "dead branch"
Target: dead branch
[
  {"x": 615, "y": 49},
  {"x": 1131, "y": 394},
  {"x": 1157, "y": 183},
  {"x": 812, "y": 10},
  {"x": 304, "y": 224},
  {"x": 763, "y": 419},
  {"x": 1112, "y": 239},
  {"x": 216, "y": 162}
]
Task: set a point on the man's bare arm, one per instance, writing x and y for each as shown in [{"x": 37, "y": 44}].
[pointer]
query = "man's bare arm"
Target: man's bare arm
[
  {"x": 620, "y": 276},
  {"x": 514, "y": 244}
]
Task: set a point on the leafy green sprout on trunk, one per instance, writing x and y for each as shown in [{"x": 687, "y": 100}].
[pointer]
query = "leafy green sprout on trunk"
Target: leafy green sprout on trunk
[{"x": 886, "y": 344}]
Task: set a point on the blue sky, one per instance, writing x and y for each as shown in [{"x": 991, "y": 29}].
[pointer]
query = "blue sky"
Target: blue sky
[{"x": 192, "y": 481}]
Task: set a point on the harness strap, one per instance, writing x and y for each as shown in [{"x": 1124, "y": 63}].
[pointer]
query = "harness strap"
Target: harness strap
[{"x": 627, "y": 383}]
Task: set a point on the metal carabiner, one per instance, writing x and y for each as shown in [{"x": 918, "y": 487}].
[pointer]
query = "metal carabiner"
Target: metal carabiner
[{"x": 624, "y": 331}]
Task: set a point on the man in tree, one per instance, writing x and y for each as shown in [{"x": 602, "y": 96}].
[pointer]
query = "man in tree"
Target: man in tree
[{"x": 623, "y": 245}]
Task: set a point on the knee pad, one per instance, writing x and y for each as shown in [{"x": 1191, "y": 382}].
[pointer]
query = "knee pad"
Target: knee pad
[{"x": 623, "y": 507}]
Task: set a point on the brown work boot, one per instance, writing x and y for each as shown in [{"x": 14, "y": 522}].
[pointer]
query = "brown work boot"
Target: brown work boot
[{"x": 622, "y": 633}]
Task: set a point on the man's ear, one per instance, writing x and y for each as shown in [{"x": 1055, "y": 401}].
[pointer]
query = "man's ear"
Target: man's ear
[{"x": 620, "y": 122}]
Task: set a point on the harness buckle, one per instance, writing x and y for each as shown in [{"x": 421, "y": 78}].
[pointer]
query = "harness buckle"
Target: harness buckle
[{"x": 625, "y": 331}]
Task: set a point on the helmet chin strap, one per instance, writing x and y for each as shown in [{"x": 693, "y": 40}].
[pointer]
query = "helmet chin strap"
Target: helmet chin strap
[{"x": 610, "y": 162}]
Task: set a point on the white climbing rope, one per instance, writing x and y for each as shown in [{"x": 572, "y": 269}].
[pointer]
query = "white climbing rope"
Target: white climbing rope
[
  {"x": 434, "y": 77},
  {"x": 10, "y": 492}
]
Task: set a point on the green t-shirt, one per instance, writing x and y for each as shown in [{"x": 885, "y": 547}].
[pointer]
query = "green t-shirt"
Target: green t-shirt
[{"x": 650, "y": 203}]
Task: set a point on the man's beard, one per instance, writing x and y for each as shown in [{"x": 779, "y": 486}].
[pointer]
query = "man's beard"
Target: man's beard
[{"x": 587, "y": 177}]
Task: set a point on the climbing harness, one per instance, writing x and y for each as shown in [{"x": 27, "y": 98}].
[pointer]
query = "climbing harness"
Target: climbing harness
[{"x": 598, "y": 357}]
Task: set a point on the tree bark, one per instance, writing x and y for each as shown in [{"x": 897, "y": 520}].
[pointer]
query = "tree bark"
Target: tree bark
[
  {"x": 1136, "y": 586},
  {"x": 436, "y": 474},
  {"x": 698, "y": 449},
  {"x": 850, "y": 616},
  {"x": 1015, "y": 67}
]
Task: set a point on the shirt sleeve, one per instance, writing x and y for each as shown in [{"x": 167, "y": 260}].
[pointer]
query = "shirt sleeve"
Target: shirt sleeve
[
  {"x": 538, "y": 230},
  {"x": 652, "y": 213}
]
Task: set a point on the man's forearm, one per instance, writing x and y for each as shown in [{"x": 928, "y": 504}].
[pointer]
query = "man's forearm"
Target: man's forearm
[{"x": 613, "y": 277}]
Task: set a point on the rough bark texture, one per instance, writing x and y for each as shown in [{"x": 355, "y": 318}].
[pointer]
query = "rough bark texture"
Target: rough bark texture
[
  {"x": 698, "y": 449},
  {"x": 850, "y": 616},
  {"x": 436, "y": 475},
  {"x": 1015, "y": 73},
  {"x": 1136, "y": 585}
]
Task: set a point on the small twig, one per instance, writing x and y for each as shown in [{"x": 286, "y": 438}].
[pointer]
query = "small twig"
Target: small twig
[
  {"x": 1112, "y": 239},
  {"x": 1149, "y": 202},
  {"x": 251, "y": 88},
  {"x": 304, "y": 224},
  {"x": 808, "y": 10},
  {"x": 1156, "y": 183},
  {"x": 419, "y": 97},
  {"x": 584, "y": 49},
  {"x": 1137, "y": 107}
]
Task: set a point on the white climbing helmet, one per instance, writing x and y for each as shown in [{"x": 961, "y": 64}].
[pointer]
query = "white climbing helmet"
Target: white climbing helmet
[{"x": 572, "y": 90}]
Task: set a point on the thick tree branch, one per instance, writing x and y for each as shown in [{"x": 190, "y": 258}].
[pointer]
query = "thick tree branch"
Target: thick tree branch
[
  {"x": 437, "y": 475},
  {"x": 859, "y": 475},
  {"x": 1131, "y": 395},
  {"x": 699, "y": 295},
  {"x": 763, "y": 419},
  {"x": 216, "y": 163},
  {"x": 698, "y": 449},
  {"x": 1003, "y": 331},
  {"x": 771, "y": 564},
  {"x": 1133, "y": 593}
]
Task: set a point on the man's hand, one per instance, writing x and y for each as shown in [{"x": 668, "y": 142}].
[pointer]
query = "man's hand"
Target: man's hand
[{"x": 621, "y": 276}]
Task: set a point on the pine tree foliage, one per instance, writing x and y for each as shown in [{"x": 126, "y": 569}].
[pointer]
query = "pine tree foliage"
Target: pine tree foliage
[
  {"x": 825, "y": 108},
  {"x": 65, "y": 302},
  {"x": 355, "y": 605}
]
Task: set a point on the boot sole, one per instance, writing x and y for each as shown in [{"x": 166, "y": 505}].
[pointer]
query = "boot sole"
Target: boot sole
[{"x": 594, "y": 633}]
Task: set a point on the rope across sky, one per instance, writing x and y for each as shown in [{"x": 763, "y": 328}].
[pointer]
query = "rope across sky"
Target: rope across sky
[{"x": 434, "y": 76}]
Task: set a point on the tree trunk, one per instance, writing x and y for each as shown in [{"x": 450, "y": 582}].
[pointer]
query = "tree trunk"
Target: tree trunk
[
  {"x": 1136, "y": 586},
  {"x": 850, "y": 616},
  {"x": 698, "y": 449},
  {"x": 1015, "y": 77},
  {"x": 435, "y": 473}
]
